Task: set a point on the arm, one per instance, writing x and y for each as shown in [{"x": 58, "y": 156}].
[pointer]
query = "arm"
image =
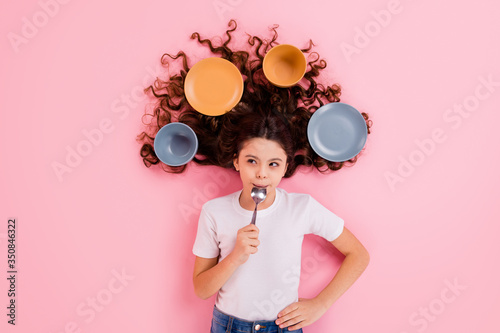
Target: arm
[
  {"x": 209, "y": 276},
  {"x": 306, "y": 311}
]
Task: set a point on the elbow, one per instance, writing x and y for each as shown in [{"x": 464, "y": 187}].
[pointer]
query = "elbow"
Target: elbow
[
  {"x": 361, "y": 257},
  {"x": 202, "y": 295},
  {"x": 364, "y": 258},
  {"x": 200, "y": 292}
]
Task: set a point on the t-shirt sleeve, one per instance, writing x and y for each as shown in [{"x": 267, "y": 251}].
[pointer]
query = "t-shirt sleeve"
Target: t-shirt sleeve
[
  {"x": 323, "y": 222},
  {"x": 206, "y": 244}
]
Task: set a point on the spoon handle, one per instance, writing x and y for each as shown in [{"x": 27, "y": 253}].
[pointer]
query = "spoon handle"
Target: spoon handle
[{"x": 254, "y": 215}]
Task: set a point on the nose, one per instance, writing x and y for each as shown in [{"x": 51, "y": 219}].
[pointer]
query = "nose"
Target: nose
[{"x": 262, "y": 173}]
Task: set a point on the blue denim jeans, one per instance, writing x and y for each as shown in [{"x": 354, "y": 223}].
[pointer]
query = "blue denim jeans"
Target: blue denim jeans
[{"x": 223, "y": 323}]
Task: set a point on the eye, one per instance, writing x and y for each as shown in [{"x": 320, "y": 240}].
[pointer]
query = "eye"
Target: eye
[
  {"x": 251, "y": 161},
  {"x": 274, "y": 164}
]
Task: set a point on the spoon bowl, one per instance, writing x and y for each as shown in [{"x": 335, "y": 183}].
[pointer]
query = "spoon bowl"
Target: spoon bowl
[{"x": 258, "y": 195}]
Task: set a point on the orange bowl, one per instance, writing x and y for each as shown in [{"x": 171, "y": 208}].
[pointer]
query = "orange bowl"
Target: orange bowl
[{"x": 284, "y": 65}]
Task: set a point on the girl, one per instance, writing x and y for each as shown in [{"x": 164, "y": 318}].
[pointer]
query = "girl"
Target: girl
[
  {"x": 255, "y": 269},
  {"x": 246, "y": 263}
]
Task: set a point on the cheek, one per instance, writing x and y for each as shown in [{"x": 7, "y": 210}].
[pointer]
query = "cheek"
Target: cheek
[
  {"x": 244, "y": 173},
  {"x": 278, "y": 174}
]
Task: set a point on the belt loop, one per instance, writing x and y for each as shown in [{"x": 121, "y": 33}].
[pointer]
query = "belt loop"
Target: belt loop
[{"x": 229, "y": 324}]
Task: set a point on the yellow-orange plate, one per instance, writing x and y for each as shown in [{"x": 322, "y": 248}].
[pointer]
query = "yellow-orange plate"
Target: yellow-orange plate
[{"x": 213, "y": 86}]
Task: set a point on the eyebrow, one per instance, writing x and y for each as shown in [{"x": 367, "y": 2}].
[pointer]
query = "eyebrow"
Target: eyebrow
[{"x": 272, "y": 159}]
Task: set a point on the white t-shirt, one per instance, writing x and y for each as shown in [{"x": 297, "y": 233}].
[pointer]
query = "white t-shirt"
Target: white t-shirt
[{"x": 268, "y": 281}]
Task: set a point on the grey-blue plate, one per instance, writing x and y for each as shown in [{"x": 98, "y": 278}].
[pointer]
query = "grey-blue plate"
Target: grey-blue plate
[
  {"x": 337, "y": 132},
  {"x": 176, "y": 144}
]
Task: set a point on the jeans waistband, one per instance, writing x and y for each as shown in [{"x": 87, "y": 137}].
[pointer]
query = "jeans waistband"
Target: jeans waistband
[{"x": 235, "y": 324}]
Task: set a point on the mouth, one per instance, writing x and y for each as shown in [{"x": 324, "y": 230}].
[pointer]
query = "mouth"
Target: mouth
[{"x": 260, "y": 186}]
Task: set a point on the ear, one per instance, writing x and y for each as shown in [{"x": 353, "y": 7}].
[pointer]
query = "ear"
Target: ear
[
  {"x": 286, "y": 168},
  {"x": 235, "y": 163}
]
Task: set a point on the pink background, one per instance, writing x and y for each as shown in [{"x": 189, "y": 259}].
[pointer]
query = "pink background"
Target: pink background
[{"x": 432, "y": 231}]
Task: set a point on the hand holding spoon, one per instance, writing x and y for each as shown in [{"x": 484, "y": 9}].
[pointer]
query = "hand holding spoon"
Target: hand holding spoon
[{"x": 258, "y": 195}]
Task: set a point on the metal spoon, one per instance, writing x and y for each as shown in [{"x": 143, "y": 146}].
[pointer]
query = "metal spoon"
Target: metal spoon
[{"x": 258, "y": 195}]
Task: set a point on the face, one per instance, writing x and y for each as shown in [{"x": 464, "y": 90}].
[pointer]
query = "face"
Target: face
[{"x": 261, "y": 163}]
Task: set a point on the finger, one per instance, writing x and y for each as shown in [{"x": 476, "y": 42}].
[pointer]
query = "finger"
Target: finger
[
  {"x": 286, "y": 316},
  {"x": 247, "y": 237},
  {"x": 297, "y": 326},
  {"x": 251, "y": 227},
  {"x": 288, "y": 309},
  {"x": 292, "y": 321},
  {"x": 255, "y": 242},
  {"x": 252, "y": 240},
  {"x": 252, "y": 236},
  {"x": 252, "y": 243}
]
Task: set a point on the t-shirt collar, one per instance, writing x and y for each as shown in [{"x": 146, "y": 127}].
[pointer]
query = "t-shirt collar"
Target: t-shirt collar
[{"x": 263, "y": 212}]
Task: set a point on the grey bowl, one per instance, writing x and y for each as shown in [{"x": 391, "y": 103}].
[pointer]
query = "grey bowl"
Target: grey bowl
[{"x": 176, "y": 144}]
